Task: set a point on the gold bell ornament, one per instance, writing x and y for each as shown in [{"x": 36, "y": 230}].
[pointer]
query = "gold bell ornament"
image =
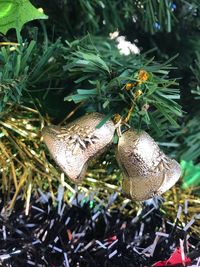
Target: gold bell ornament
[
  {"x": 75, "y": 144},
  {"x": 146, "y": 170}
]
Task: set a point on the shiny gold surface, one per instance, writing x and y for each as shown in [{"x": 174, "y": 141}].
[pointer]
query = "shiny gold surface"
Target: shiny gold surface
[
  {"x": 147, "y": 171},
  {"x": 75, "y": 144},
  {"x": 25, "y": 168}
]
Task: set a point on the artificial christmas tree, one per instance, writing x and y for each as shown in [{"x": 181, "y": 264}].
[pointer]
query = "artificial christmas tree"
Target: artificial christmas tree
[{"x": 137, "y": 64}]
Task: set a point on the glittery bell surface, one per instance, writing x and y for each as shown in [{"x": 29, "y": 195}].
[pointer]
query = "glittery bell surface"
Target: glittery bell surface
[
  {"x": 147, "y": 171},
  {"x": 75, "y": 144}
]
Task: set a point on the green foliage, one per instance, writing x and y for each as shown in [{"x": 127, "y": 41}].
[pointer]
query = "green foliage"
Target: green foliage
[
  {"x": 92, "y": 75},
  {"x": 196, "y": 71},
  {"x": 191, "y": 174},
  {"x": 108, "y": 14},
  {"x": 15, "y": 13},
  {"x": 24, "y": 68},
  {"x": 92, "y": 72},
  {"x": 190, "y": 140},
  {"x": 77, "y": 18},
  {"x": 158, "y": 15},
  {"x": 100, "y": 74}
]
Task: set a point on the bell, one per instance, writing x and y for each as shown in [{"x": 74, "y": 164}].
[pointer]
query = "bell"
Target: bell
[
  {"x": 75, "y": 144},
  {"x": 146, "y": 170}
]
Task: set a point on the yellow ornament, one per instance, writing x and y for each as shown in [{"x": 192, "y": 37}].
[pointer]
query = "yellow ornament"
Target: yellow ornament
[
  {"x": 129, "y": 86},
  {"x": 137, "y": 94},
  {"x": 146, "y": 170},
  {"x": 75, "y": 144},
  {"x": 143, "y": 76}
]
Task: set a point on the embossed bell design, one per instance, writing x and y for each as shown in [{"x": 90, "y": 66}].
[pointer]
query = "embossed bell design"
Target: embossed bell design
[
  {"x": 75, "y": 144},
  {"x": 146, "y": 170}
]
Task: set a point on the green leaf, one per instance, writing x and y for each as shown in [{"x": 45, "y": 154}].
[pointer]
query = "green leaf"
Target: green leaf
[
  {"x": 76, "y": 98},
  {"x": 155, "y": 124},
  {"x": 83, "y": 94},
  {"x": 104, "y": 120},
  {"x": 87, "y": 92},
  {"x": 27, "y": 54},
  {"x": 15, "y": 13}
]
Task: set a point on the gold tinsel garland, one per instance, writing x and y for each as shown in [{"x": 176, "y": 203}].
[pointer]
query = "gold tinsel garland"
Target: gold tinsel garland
[{"x": 24, "y": 168}]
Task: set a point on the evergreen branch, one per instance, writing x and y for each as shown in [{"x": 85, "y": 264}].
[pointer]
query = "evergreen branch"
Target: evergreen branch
[
  {"x": 20, "y": 69},
  {"x": 190, "y": 139},
  {"x": 101, "y": 80}
]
